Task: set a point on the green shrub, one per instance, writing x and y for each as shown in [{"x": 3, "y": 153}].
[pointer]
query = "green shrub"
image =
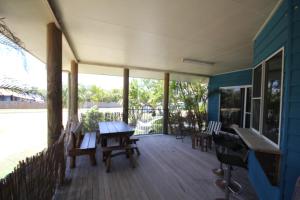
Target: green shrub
[
  {"x": 157, "y": 126},
  {"x": 91, "y": 118}
]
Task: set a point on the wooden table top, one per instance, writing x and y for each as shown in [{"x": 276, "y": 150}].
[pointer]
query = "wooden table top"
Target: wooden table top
[
  {"x": 115, "y": 128},
  {"x": 255, "y": 141}
]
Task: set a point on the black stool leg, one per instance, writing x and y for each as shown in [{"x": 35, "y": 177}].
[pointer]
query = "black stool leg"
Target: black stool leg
[
  {"x": 219, "y": 171},
  {"x": 227, "y": 181}
]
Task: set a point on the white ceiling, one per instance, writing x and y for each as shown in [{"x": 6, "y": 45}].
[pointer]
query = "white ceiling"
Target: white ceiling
[
  {"x": 148, "y": 34},
  {"x": 28, "y": 20}
]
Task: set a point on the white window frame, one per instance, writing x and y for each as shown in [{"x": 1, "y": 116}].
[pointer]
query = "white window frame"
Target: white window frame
[
  {"x": 263, "y": 64},
  {"x": 260, "y": 98},
  {"x": 245, "y": 106}
]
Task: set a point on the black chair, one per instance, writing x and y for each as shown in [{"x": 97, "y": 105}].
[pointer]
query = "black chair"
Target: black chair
[
  {"x": 219, "y": 138},
  {"x": 230, "y": 151}
]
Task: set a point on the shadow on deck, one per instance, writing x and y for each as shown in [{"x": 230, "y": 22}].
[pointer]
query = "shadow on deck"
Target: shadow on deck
[{"x": 167, "y": 169}]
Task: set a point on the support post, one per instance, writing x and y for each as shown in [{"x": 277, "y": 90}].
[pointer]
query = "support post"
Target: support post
[
  {"x": 166, "y": 103},
  {"x": 54, "y": 82},
  {"x": 74, "y": 91},
  {"x": 125, "y": 94},
  {"x": 69, "y": 96}
]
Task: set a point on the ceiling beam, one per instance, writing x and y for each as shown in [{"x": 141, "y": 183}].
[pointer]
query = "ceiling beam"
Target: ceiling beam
[
  {"x": 62, "y": 28},
  {"x": 140, "y": 68}
]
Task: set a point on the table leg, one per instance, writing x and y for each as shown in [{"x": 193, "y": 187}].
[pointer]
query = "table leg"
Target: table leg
[{"x": 104, "y": 142}]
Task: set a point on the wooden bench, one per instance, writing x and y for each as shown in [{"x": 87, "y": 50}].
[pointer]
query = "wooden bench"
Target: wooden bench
[
  {"x": 107, "y": 154},
  {"x": 82, "y": 145}
]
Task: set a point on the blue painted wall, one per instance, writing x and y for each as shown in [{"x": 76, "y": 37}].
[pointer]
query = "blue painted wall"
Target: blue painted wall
[
  {"x": 224, "y": 80},
  {"x": 260, "y": 181},
  {"x": 283, "y": 30}
]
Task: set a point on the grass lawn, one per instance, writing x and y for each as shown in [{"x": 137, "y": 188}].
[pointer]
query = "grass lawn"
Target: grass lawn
[{"x": 23, "y": 132}]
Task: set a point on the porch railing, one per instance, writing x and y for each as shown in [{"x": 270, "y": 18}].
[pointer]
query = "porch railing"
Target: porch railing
[{"x": 146, "y": 121}]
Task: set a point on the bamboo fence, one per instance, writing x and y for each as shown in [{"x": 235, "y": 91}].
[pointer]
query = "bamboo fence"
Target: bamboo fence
[{"x": 36, "y": 177}]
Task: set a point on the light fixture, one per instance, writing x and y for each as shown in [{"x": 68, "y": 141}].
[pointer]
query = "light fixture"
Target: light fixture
[{"x": 198, "y": 62}]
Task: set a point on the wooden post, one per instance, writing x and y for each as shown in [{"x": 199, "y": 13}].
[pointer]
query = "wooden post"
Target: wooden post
[
  {"x": 74, "y": 91},
  {"x": 69, "y": 96},
  {"x": 54, "y": 82},
  {"x": 166, "y": 103},
  {"x": 125, "y": 94}
]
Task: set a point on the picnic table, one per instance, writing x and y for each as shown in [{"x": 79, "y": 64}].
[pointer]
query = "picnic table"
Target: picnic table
[{"x": 115, "y": 130}]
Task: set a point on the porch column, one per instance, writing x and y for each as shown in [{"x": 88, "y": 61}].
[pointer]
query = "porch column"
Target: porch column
[
  {"x": 166, "y": 103},
  {"x": 74, "y": 91},
  {"x": 69, "y": 96},
  {"x": 125, "y": 94},
  {"x": 54, "y": 82}
]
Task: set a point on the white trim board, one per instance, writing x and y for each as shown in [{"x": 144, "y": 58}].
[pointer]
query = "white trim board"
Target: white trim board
[
  {"x": 233, "y": 71},
  {"x": 268, "y": 19}
]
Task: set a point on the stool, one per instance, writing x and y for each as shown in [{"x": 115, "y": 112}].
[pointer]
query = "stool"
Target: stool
[
  {"x": 230, "y": 160},
  {"x": 233, "y": 143},
  {"x": 218, "y": 139},
  {"x": 230, "y": 152}
]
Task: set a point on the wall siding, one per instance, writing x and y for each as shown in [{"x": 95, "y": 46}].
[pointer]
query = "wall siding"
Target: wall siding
[
  {"x": 283, "y": 30},
  {"x": 224, "y": 80},
  {"x": 292, "y": 163},
  {"x": 257, "y": 175}
]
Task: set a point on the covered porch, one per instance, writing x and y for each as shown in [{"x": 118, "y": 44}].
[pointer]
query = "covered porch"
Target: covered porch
[{"x": 248, "y": 47}]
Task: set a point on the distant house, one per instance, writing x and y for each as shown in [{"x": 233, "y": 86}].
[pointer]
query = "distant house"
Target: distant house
[
  {"x": 12, "y": 90},
  {"x": 8, "y": 95}
]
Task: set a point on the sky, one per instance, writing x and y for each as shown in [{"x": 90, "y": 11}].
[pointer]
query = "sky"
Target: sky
[{"x": 12, "y": 65}]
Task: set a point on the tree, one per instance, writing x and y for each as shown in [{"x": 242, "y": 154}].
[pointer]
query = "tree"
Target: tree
[
  {"x": 145, "y": 92},
  {"x": 193, "y": 95},
  {"x": 97, "y": 94},
  {"x": 115, "y": 95}
]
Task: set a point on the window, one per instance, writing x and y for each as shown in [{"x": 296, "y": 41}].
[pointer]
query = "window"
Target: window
[
  {"x": 235, "y": 106},
  {"x": 257, "y": 82},
  {"x": 247, "y": 116},
  {"x": 271, "y": 119},
  {"x": 266, "y": 100}
]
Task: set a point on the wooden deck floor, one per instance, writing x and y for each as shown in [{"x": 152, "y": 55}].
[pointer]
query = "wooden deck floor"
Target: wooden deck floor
[{"x": 167, "y": 169}]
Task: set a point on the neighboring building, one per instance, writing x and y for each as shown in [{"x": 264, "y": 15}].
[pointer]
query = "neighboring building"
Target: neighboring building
[{"x": 13, "y": 90}]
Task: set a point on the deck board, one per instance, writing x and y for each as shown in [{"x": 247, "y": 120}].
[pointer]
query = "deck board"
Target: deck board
[{"x": 167, "y": 169}]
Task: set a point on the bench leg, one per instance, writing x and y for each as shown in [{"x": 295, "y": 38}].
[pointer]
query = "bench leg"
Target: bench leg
[
  {"x": 72, "y": 162},
  {"x": 103, "y": 142},
  {"x": 210, "y": 143},
  {"x": 199, "y": 142},
  {"x": 137, "y": 151},
  {"x": 193, "y": 141},
  {"x": 202, "y": 141},
  {"x": 131, "y": 159},
  {"x": 108, "y": 162},
  {"x": 93, "y": 158},
  {"x": 103, "y": 157}
]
